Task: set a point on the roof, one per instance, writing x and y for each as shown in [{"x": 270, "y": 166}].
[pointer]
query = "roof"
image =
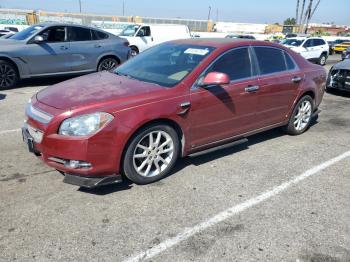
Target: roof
[{"x": 222, "y": 42}]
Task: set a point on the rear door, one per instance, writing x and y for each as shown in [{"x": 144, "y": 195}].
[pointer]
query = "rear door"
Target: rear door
[
  {"x": 50, "y": 56},
  {"x": 220, "y": 112},
  {"x": 85, "y": 48},
  {"x": 279, "y": 79},
  {"x": 312, "y": 51}
]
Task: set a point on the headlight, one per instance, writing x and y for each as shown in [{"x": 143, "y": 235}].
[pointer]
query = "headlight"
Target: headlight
[{"x": 84, "y": 125}]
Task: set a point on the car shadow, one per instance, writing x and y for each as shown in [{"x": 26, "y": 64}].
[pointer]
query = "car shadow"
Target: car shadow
[
  {"x": 45, "y": 81},
  {"x": 109, "y": 189},
  {"x": 339, "y": 93},
  {"x": 2, "y": 96}
]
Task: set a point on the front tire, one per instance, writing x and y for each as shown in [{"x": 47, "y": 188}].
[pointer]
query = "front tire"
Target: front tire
[
  {"x": 8, "y": 75},
  {"x": 301, "y": 117},
  {"x": 134, "y": 51},
  {"x": 151, "y": 154}
]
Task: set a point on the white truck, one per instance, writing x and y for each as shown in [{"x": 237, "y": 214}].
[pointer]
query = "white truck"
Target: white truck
[{"x": 144, "y": 36}]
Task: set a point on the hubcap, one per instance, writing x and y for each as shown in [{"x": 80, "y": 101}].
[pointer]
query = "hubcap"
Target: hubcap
[
  {"x": 133, "y": 53},
  {"x": 153, "y": 153},
  {"x": 323, "y": 60},
  {"x": 303, "y": 116},
  {"x": 7, "y": 76},
  {"x": 108, "y": 65}
]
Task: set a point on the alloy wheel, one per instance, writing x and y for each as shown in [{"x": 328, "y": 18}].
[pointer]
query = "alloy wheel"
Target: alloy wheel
[
  {"x": 153, "y": 153},
  {"x": 7, "y": 76},
  {"x": 303, "y": 115},
  {"x": 108, "y": 64}
]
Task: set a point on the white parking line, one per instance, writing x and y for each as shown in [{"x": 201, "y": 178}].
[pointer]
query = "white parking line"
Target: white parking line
[
  {"x": 230, "y": 212},
  {"x": 10, "y": 131}
]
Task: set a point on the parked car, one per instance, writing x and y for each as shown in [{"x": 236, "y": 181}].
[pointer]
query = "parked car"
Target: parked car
[
  {"x": 314, "y": 49},
  {"x": 6, "y": 36},
  {"x": 4, "y": 32},
  {"x": 333, "y": 43},
  {"x": 339, "y": 76},
  {"x": 58, "y": 49},
  {"x": 144, "y": 36},
  {"x": 240, "y": 36},
  {"x": 176, "y": 99},
  {"x": 339, "y": 48}
]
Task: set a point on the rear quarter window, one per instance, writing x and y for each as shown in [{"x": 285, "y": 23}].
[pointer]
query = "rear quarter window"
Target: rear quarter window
[
  {"x": 98, "y": 35},
  {"x": 270, "y": 60}
]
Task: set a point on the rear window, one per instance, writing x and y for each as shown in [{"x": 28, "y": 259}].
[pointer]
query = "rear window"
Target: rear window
[
  {"x": 98, "y": 35},
  {"x": 270, "y": 60},
  {"x": 79, "y": 34}
]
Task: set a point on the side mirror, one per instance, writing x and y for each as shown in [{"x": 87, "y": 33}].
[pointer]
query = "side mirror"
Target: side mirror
[
  {"x": 215, "y": 78},
  {"x": 38, "y": 39}
]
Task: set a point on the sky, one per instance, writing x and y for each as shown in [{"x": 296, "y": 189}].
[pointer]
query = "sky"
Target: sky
[{"x": 251, "y": 11}]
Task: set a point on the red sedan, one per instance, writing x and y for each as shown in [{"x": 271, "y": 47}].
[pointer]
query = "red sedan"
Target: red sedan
[{"x": 171, "y": 101}]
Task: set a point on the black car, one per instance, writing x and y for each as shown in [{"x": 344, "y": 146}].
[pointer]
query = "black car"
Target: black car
[
  {"x": 345, "y": 54},
  {"x": 339, "y": 76},
  {"x": 241, "y": 37}
]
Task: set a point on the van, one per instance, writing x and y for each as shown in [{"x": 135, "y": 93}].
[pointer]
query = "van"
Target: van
[{"x": 144, "y": 36}]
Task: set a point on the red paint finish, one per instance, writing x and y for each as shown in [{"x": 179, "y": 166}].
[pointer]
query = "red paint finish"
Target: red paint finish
[{"x": 216, "y": 114}]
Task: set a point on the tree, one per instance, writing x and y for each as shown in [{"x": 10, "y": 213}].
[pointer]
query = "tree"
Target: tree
[{"x": 290, "y": 21}]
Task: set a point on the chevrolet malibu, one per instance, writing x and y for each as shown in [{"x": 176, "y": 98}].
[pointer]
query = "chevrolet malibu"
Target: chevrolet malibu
[{"x": 173, "y": 100}]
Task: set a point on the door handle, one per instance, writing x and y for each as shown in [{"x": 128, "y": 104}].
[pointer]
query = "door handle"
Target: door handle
[
  {"x": 98, "y": 46},
  {"x": 250, "y": 89},
  {"x": 63, "y": 47},
  {"x": 296, "y": 79},
  {"x": 185, "y": 106}
]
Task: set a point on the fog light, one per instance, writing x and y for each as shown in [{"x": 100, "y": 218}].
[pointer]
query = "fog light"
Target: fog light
[{"x": 75, "y": 164}]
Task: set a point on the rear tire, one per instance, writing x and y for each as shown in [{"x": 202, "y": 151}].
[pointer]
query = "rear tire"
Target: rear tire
[
  {"x": 151, "y": 154},
  {"x": 322, "y": 60},
  {"x": 8, "y": 75},
  {"x": 301, "y": 117},
  {"x": 107, "y": 64}
]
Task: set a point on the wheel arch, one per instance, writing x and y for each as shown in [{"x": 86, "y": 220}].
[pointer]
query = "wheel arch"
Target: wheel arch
[
  {"x": 135, "y": 46},
  {"x": 9, "y": 60},
  {"x": 104, "y": 56},
  {"x": 163, "y": 121}
]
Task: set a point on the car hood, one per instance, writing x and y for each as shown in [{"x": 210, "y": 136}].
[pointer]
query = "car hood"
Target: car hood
[
  {"x": 345, "y": 64},
  {"x": 9, "y": 42},
  {"x": 97, "y": 88}
]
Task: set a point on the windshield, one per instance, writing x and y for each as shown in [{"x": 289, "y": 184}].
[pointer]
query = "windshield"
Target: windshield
[
  {"x": 166, "y": 64},
  {"x": 292, "y": 42},
  {"x": 130, "y": 30},
  {"x": 26, "y": 33}
]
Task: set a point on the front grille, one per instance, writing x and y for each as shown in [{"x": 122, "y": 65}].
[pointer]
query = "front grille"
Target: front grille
[{"x": 38, "y": 115}]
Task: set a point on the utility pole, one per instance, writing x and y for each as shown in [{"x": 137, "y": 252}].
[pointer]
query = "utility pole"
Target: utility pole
[
  {"x": 301, "y": 16},
  {"x": 80, "y": 6},
  {"x": 209, "y": 13},
  {"x": 297, "y": 13},
  {"x": 308, "y": 16}
]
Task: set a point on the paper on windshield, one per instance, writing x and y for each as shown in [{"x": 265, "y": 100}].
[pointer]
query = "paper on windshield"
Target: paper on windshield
[{"x": 196, "y": 51}]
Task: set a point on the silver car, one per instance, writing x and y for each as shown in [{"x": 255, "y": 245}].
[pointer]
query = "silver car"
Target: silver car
[{"x": 58, "y": 49}]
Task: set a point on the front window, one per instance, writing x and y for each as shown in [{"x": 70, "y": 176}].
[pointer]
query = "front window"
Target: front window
[
  {"x": 292, "y": 42},
  {"x": 130, "y": 30},
  {"x": 165, "y": 64},
  {"x": 26, "y": 33}
]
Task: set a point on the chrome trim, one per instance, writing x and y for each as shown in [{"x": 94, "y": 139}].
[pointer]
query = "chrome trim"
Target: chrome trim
[
  {"x": 38, "y": 115},
  {"x": 57, "y": 160}
]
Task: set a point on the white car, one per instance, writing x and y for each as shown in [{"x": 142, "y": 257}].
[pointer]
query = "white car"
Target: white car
[
  {"x": 144, "y": 36},
  {"x": 314, "y": 49}
]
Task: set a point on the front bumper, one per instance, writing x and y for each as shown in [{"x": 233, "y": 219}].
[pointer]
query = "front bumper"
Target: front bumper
[{"x": 88, "y": 161}]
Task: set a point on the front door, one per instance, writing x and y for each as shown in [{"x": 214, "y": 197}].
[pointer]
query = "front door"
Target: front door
[
  {"x": 50, "y": 56},
  {"x": 221, "y": 112},
  {"x": 144, "y": 38}
]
